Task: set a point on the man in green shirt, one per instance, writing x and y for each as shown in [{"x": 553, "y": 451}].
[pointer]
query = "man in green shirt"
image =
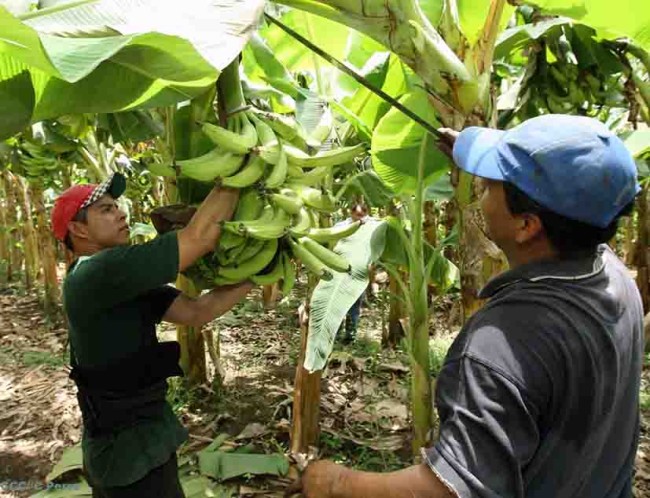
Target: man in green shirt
[{"x": 114, "y": 295}]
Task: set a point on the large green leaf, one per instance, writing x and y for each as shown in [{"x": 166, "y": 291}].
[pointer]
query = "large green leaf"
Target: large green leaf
[
  {"x": 332, "y": 299},
  {"x": 519, "y": 36},
  {"x": 625, "y": 18},
  {"x": 369, "y": 185},
  {"x": 396, "y": 144},
  {"x": 116, "y": 55},
  {"x": 638, "y": 142},
  {"x": 472, "y": 15}
]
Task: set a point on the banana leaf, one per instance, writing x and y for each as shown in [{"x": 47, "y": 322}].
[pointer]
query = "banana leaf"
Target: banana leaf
[
  {"x": 331, "y": 300},
  {"x": 396, "y": 144},
  {"x": 115, "y": 55}
]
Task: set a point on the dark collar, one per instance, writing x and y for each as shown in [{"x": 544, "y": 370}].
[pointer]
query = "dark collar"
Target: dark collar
[{"x": 572, "y": 269}]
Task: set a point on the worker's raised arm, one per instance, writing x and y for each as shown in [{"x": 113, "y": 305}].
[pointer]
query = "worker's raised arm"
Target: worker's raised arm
[{"x": 202, "y": 233}]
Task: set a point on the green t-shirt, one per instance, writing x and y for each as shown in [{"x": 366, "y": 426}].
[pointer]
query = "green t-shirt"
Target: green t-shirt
[{"x": 106, "y": 299}]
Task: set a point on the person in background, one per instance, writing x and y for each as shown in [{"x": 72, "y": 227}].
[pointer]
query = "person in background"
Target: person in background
[{"x": 359, "y": 212}]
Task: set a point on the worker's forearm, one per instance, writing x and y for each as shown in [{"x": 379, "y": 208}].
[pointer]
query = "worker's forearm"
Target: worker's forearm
[
  {"x": 417, "y": 481},
  {"x": 219, "y": 300},
  {"x": 205, "y": 224}
]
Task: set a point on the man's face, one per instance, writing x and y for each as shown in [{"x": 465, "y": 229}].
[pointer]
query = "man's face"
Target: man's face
[
  {"x": 106, "y": 223},
  {"x": 358, "y": 214},
  {"x": 500, "y": 224}
]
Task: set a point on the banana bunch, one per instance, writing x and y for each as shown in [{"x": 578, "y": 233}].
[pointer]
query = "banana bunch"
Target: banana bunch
[
  {"x": 276, "y": 222},
  {"x": 566, "y": 79},
  {"x": 36, "y": 161}
]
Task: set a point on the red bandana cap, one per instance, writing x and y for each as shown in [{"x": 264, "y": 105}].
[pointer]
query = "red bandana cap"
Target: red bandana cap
[{"x": 70, "y": 202}]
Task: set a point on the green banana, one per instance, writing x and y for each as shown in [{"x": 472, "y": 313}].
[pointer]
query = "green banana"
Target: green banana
[
  {"x": 315, "y": 198},
  {"x": 302, "y": 223},
  {"x": 210, "y": 166},
  {"x": 294, "y": 171},
  {"x": 327, "y": 158},
  {"x": 289, "y": 277},
  {"x": 229, "y": 240},
  {"x": 291, "y": 204},
  {"x": 278, "y": 173},
  {"x": 219, "y": 281},
  {"x": 248, "y": 175},
  {"x": 313, "y": 177},
  {"x": 330, "y": 258},
  {"x": 332, "y": 234},
  {"x": 265, "y": 134},
  {"x": 254, "y": 265},
  {"x": 311, "y": 262},
  {"x": 250, "y": 206},
  {"x": 273, "y": 275},
  {"x": 250, "y": 250},
  {"x": 238, "y": 143}
]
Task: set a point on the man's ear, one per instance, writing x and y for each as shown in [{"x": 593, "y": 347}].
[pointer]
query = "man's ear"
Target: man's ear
[
  {"x": 78, "y": 229},
  {"x": 529, "y": 226}
]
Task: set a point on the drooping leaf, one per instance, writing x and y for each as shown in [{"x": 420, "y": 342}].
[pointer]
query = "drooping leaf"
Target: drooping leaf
[
  {"x": 396, "y": 146},
  {"x": 71, "y": 460},
  {"x": 331, "y": 300},
  {"x": 116, "y": 55},
  {"x": 198, "y": 486},
  {"x": 226, "y": 465}
]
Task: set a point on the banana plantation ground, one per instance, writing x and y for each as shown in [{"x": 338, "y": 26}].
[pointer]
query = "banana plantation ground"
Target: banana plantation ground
[{"x": 364, "y": 417}]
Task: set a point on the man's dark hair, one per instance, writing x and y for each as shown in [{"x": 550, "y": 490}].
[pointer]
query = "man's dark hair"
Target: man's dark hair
[
  {"x": 568, "y": 237},
  {"x": 82, "y": 216}
]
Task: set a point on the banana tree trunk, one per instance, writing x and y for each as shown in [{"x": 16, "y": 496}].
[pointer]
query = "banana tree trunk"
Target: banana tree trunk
[
  {"x": 29, "y": 234},
  {"x": 305, "y": 429},
  {"x": 418, "y": 333},
  {"x": 46, "y": 244},
  {"x": 479, "y": 257},
  {"x": 396, "y": 313},
  {"x": 5, "y": 253},
  {"x": 14, "y": 260},
  {"x": 191, "y": 341}
]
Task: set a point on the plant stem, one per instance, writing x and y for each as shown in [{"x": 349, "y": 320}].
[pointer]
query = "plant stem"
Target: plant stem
[
  {"x": 418, "y": 321},
  {"x": 231, "y": 95}
]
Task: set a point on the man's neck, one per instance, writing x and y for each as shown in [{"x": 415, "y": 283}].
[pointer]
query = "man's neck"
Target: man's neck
[{"x": 531, "y": 255}]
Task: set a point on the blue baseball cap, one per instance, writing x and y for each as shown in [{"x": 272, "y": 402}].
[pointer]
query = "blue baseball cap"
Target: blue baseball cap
[{"x": 572, "y": 165}]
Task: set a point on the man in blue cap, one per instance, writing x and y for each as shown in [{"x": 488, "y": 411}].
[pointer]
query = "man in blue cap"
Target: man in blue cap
[{"x": 538, "y": 396}]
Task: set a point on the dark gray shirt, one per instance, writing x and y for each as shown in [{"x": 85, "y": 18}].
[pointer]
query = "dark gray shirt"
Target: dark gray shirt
[{"x": 539, "y": 393}]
